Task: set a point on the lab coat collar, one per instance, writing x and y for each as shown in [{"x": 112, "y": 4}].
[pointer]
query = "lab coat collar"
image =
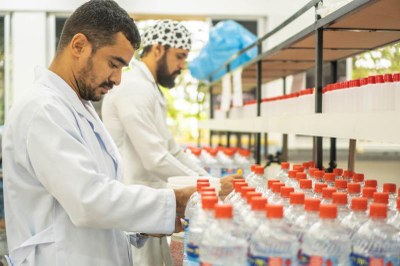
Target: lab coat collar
[
  {"x": 84, "y": 108},
  {"x": 135, "y": 64}
]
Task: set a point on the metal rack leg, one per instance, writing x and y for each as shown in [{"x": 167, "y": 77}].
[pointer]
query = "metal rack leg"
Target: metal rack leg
[
  {"x": 318, "y": 92},
  {"x": 352, "y": 154},
  {"x": 257, "y": 146},
  {"x": 285, "y": 151}
]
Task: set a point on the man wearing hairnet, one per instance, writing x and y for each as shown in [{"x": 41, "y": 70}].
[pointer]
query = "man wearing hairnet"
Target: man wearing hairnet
[{"x": 135, "y": 115}]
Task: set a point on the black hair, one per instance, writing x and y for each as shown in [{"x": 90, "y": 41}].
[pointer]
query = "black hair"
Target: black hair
[
  {"x": 99, "y": 21},
  {"x": 147, "y": 49}
]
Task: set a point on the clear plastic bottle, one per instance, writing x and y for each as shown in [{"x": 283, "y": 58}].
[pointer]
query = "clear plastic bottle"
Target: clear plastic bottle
[
  {"x": 225, "y": 158},
  {"x": 341, "y": 185},
  {"x": 329, "y": 179},
  {"x": 376, "y": 242},
  {"x": 353, "y": 191},
  {"x": 200, "y": 221},
  {"x": 285, "y": 196},
  {"x": 368, "y": 192},
  {"x": 306, "y": 166},
  {"x": 299, "y": 176},
  {"x": 371, "y": 183},
  {"x": 259, "y": 180},
  {"x": 340, "y": 199},
  {"x": 348, "y": 175},
  {"x": 391, "y": 189},
  {"x": 326, "y": 242},
  {"x": 273, "y": 243},
  {"x": 318, "y": 177},
  {"x": 327, "y": 195},
  {"x": 283, "y": 174},
  {"x": 395, "y": 220},
  {"x": 268, "y": 192},
  {"x": 383, "y": 198},
  {"x": 357, "y": 217},
  {"x": 250, "y": 175},
  {"x": 210, "y": 162},
  {"x": 291, "y": 181},
  {"x": 233, "y": 192},
  {"x": 220, "y": 244},
  {"x": 246, "y": 210},
  {"x": 296, "y": 207},
  {"x": 311, "y": 172},
  {"x": 318, "y": 190},
  {"x": 256, "y": 217},
  {"x": 308, "y": 218},
  {"x": 338, "y": 173},
  {"x": 240, "y": 204},
  {"x": 306, "y": 188},
  {"x": 359, "y": 178},
  {"x": 276, "y": 193}
]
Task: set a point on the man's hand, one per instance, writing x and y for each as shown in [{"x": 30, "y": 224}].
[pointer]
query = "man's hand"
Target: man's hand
[
  {"x": 182, "y": 196},
  {"x": 227, "y": 185}
]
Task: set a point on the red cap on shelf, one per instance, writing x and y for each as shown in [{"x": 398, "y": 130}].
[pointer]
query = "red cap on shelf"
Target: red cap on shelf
[
  {"x": 379, "y": 79},
  {"x": 327, "y": 192},
  {"x": 276, "y": 187},
  {"x": 363, "y": 81},
  {"x": 208, "y": 203},
  {"x": 319, "y": 174},
  {"x": 396, "y": 77},
  {"x": 359, "y": 204},
  {"x": 338, "y": 171},
  {"x": 341, "y": 184},
  {"x": 311, "y": 204},
  {"x": 378, "y": 210},
  {"x": 200, "y": 185},
  {"x": 371, "y": 80},
  {"x": 388, "y": 78},
  {"x": 368, "y": 192},
  {"x": 348, "y": 174},
  {"x": 271, "y": 181},
  {"x": 305, "y": 184},
  {"x": 328, "y": 211},
  {"x": 356, "y": 83},
  {"x": 245, "y": 190},
  {"x": 274, "y": 211},
  {"x": 358, "y": 177},
  {"x": 238, "y": 186},
  {"x": 319, "y": 186},
  {"x": 229, "y": 151},
  {"x": 329, "y": 177},
  {"x": 389, "y": 187},
  {"x": 258, "y": 203},
  {"x": 285, "y": 191},
  {"x": 297, "y": 198},
  {"x": 339, "y": 198},
  {"x": 223, "y": 211},
  {"x": 301, "y": 175},
  {"x": 285, "y": 165},
  {"x": 251, "y": 195},
  {"x": 381, "y": 197},
  {"x": 259, "y": 170},
  {"x": 353, "y": 188},
  {"x": 371, "y": 183}
]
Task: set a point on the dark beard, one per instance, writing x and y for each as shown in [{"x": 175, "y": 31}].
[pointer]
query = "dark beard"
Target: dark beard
[{"x": 163, "y": 77}]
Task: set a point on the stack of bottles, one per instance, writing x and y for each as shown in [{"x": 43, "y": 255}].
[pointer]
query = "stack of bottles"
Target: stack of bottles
[
  {"x": 303, "y": 216},
  {"x": 221, "y": 161}
]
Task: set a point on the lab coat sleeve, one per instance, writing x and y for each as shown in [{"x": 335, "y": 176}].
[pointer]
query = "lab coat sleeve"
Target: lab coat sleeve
[
  {"x": 64, "y": 165},
  {"x": 140, "y": 125}
]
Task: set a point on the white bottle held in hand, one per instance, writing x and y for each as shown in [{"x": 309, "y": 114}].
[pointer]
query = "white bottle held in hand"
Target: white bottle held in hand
[{"x": 220, "y": 245}]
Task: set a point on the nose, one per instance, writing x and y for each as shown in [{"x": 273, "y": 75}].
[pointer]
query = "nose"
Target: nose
[{"x": 116, "y": 76}]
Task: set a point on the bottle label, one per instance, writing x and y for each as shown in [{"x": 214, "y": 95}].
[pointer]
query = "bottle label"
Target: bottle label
[
  {"x": 317, "y": 260},
  {"x": 228, "y": 171},
  {"x": 268, "y": 261},
  {"x": 359, "y": 260},
  {"x": 192, "y": 252}
]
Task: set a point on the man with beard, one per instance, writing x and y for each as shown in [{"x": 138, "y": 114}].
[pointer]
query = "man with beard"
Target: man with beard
[
  {"x": 135, "y": 114},
  {"x": 64, "y": 202}
]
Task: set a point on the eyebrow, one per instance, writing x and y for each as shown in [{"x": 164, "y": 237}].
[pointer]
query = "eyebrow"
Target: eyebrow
[{"x": 119, "y": 59}]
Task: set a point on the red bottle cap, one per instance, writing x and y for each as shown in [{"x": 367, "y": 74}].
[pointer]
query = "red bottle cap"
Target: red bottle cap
[
  {"x": 339, "y": 198},
  {"x": 306, "y": 165},
  {"x": 396, "y": 77},
  {"x": 201, "y": 185},
  {"x": 223, "y": 211},
  {"x": 311, "y": 171},
  {"x": 251, "y": 195},
  {"x": 274, "y": 211},
  {"x": 319, "y": 186},
  {"x": 297, "y": 198},
  {"x": 292, "y": 173},
  {"x": 327, "y": 192},
  {"x": 341, "y": 184},
  {"x": 371, "y": 183},
  {"x": 329, "y": 177},
  {"x": 338, "y": 171},
  {"x": 285, "y": 191},
  {"x": 358, "y": 177},
  {"x": 359, "y": 204},
  {"x": 368, "y": 192},
  {"x": 311, "y": 204},
  {"x": 301, "y": 175},
  {"x": 238, "y": 180},
  {"x": 271, "y": 181},
  {"x": 207, "y": 189},
  {"x": 371, "y": 80},
  {"x": 253, "y": 167},
  {"x": 305, "y": 184},
  {"x": 378, "y": 210},
  {"x": 348, "y": 174},
  {"x": 285, "y": 165},
  {"x": 246, "y": 190},
  {"x": 208, "y": 203},
  {"x": 298, "y": 168},
  {"x": 238, "y": 186},
  {"x": 381, "y": 197},
  {"x": 259, "y": 170},
  {"x": 203, "y": 180},
  {"x": 353, "y": 188},
  {"x": 389, "y": 187},
  {"x": 379, "y": 79},
  {"x": 319, "y": 174},
  {"x": 388, "y": 78},
  {"x": 328, "y": 211},
  {"x": 276, "y": 187},
  {"x": 258, "y": 203}
]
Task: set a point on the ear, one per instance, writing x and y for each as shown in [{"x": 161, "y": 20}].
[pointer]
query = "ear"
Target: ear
[
  {"x": 158, "y": 51},
  {"x": 80, "y": 45}
]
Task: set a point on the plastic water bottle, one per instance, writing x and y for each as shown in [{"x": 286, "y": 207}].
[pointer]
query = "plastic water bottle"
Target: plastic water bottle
[
  {"x": 276, "y": 193},
  {"x": 283, "y": 174},
  {"x": 285, "y": 196},
  {"x": 243, "y": 160},
  {"x": 252, "y": 170},
  {"x": 338, "y": 173},
  {"x": 383, "y": 197},
  {"x": 318, "y": 177},
  {"x": 353, "y": 191},
  {"x": 194, "y": 199},
  {"x": 306, "y": 166},
  {"x": 210, "y": 162},
  {"x": 308, "y": 218},
  {"x": 268, "y": 191},
  {"x": 318, "y": 190},
  {"x": 233, "y": 192},
  {"x": 359, "y": 178},
  {"x": 371, "y": 183},
  {"x": 246, "y": 210},
  {"x": 357, "y": 217},
  {"x": 341, "y": 185},
  {"x": 306, "y": 188},
  {"x": 327, "y": 195},
  {"x": 340, "y": 199},
  {"x": 220, "y": 245},
  {"x": 395, "y": 220},
  {"x": 368, "y": 192},
  {"x": 376, "y": 242},
  {"x": 329, "y": 179},
  {"x": 225, "y": 157},
  {"x": 240, "y": 204},
  {"x": 256, "y": 217},
  {"x": 391, "y": 189},
  {"x": 200, "y": 221},
  {"x": 326, "y": 242},
  {"x": 259, "y": 180},
  {"x": 299, "y": 176},
  {"x": 291, "y": 181},
  {"x": 273, "y": 243},
  {"x": 237, "y": 187},
  {"x": 348, "y": 175},
  {"x": 311, "y": 173},
  {"x": 296, "y": 207}
]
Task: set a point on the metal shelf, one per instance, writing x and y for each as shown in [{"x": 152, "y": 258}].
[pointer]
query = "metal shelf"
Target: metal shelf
[{"x": 379, "y": 127}]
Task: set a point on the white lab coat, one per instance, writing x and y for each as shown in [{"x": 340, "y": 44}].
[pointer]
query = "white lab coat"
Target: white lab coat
[
  {"x": 64, "y": 203},
  {"x": 135, "y": 114}
]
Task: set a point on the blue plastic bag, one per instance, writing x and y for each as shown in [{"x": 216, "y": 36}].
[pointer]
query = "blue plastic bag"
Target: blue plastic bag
[{"x": 226, "y": 38}]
